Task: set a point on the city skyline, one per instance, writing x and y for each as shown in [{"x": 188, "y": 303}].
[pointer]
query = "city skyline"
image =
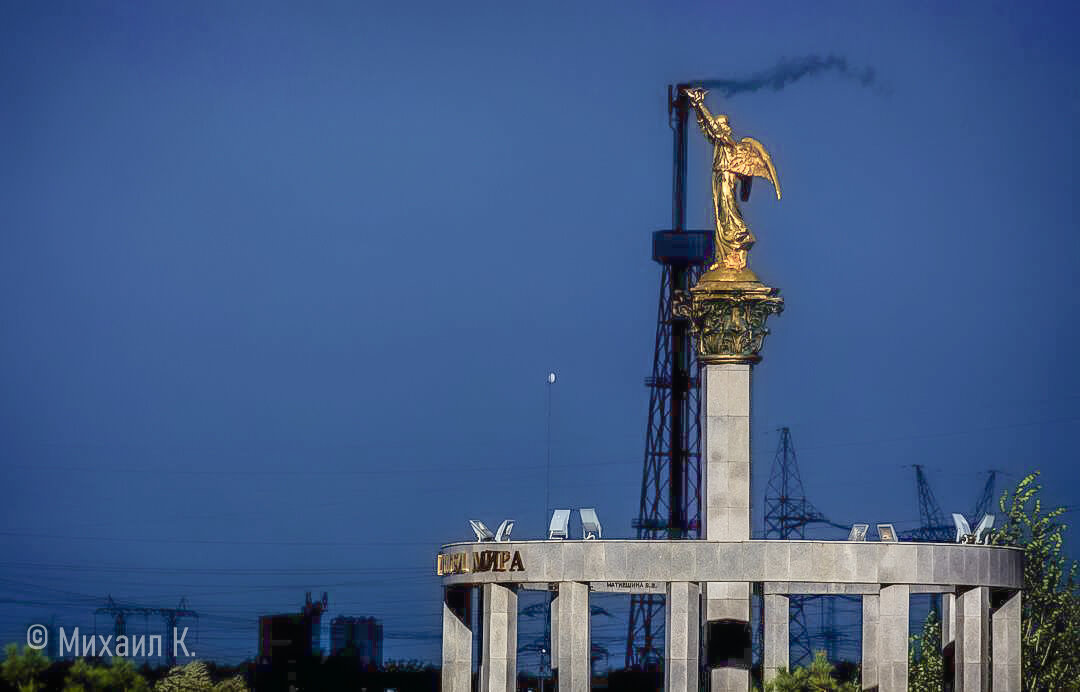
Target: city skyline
[{"x": 282, "y": 287}]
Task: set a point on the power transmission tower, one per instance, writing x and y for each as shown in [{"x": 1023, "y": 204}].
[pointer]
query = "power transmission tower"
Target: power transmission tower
[
  {"x": 830, "y": 635},
  {"x": 932, "y": 525},
  {"x": 539, "y": 645},
  {"x": 170, "y": 616},
  {"x": 787, "y": 513},
  {"x": 671, "y": 479},
  {"x": 985, "y": 503}
]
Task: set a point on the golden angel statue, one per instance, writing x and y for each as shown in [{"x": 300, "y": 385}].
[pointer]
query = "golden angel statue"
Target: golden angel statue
[{"x": 732, "y": 161}]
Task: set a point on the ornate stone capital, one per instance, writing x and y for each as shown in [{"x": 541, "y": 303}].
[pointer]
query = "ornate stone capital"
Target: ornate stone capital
[{"x": 729, "y": 318}]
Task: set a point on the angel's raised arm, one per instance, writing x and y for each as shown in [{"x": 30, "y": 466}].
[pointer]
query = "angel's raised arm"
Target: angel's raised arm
[{"x": 696, "y": 98}]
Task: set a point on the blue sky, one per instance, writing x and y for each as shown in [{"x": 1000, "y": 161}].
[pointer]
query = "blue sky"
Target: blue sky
[{"x": 280, "y": 284}]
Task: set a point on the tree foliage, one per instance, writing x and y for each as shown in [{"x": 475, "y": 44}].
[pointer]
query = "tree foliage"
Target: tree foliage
[
  {"x": 195, "y": 677},
  {"x": 23, "y": 669},
  {"x": 817, "y": 677},
  {"x": 1051, "y": 600},
  {"x": 120, "y": 676},
  {"x": 926, "y": 666}
]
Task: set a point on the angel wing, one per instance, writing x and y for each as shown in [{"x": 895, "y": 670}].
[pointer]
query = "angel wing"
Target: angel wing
[{"x": 750, "y": 159}]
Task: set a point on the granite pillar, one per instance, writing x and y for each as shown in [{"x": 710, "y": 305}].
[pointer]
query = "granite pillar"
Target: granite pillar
[
  {"x": 870, "y": 615},
  {"x": 726, "y": 516},
  {"x": 498, "y": 659},
  {"x": 726, "y": 448},
  {"x": 1006, "y": 638},
  {"x": 777, "y": 643},
  {"x": 948, "y": 619},
  {"x": 682, "y": 628},
  {"x": 948, "y": 638},
  {"x": 727, "y": 309},
  {"x": 553, "y": 645},
  {"x": 574, "y": 643},
  {"x": 973, "y": 640},
  {"x": 892, "y": 649},
  {"x": 457, "y": 639}
]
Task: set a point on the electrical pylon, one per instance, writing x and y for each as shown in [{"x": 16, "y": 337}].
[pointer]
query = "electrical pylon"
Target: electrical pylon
[
  {"x": 985, "y": 503},
  {"x": 170, "y": 616},
  {"x": 932, "y": 525},
  {"x": 787, "y": 513}
]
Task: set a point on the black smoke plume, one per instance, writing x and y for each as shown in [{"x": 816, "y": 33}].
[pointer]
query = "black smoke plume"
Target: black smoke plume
[{"x": 788, "y": 71}]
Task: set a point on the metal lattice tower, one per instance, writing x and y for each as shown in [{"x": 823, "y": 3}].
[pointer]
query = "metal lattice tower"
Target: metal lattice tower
[
  {"x": 985, "y": 503},
  {"x": 787, "y": 513},
  {"x": 170, "y": 616},
  {"x": 671, "y": 480},
  {"x": 832, "y": 636},
  {"x": 932, "y": 525},
  {"x": 933, "y": 528}
]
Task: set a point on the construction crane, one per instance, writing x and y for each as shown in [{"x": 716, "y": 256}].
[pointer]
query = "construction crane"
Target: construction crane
[{"x": 170, "y": 616}]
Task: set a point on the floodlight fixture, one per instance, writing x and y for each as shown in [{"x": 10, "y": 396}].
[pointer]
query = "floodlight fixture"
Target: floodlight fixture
[
  {"x": 482, "y": 532},
  {"x": 560, "y": 522},
  {"x": 858, "y": 532},
  {"x": 886, "y": 533},
  {"x": 590, "y": 524},
  {"x": 985, "y": 524},
  {"x": 502, "y": 534},
  {"x": 963, "y": 529}
]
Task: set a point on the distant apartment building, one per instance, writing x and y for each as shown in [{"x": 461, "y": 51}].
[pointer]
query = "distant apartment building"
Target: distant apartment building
[
  {"x": 360, "y": 637},
  {"x": 291, "y": 637}
]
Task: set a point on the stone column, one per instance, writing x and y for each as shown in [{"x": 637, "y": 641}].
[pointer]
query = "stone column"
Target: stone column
[
  {"x": 553, "y": 645},
  {"x": 682, "y": 627},
  {"x": 1006, "y": 627},
  {"x": 727, "y": 309},
  {"x": 777, "y": 642},
  {"x": 727, "y": 635},
  {"x": 726, "y": 515},
  {"x": 574, "y": 643},
  {"x": 498, "y": 659},
  {"x": 893, "y": 605},
  {"x": 871, "y": 604},
  {"x": 948, "y": 637},
  {"x": 973, "y": 640},
  {"x": 457, "y": 639},
  {"x": 726, "y": 452},
  {"x": 948, "y": 619}
]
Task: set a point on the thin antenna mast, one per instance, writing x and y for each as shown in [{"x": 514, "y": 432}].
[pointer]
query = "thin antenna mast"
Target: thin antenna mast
[{"x": 547, "y": 483}]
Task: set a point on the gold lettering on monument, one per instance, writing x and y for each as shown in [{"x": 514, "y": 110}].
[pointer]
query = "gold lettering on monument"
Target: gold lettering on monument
[{"x": 479, "y": 561}]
